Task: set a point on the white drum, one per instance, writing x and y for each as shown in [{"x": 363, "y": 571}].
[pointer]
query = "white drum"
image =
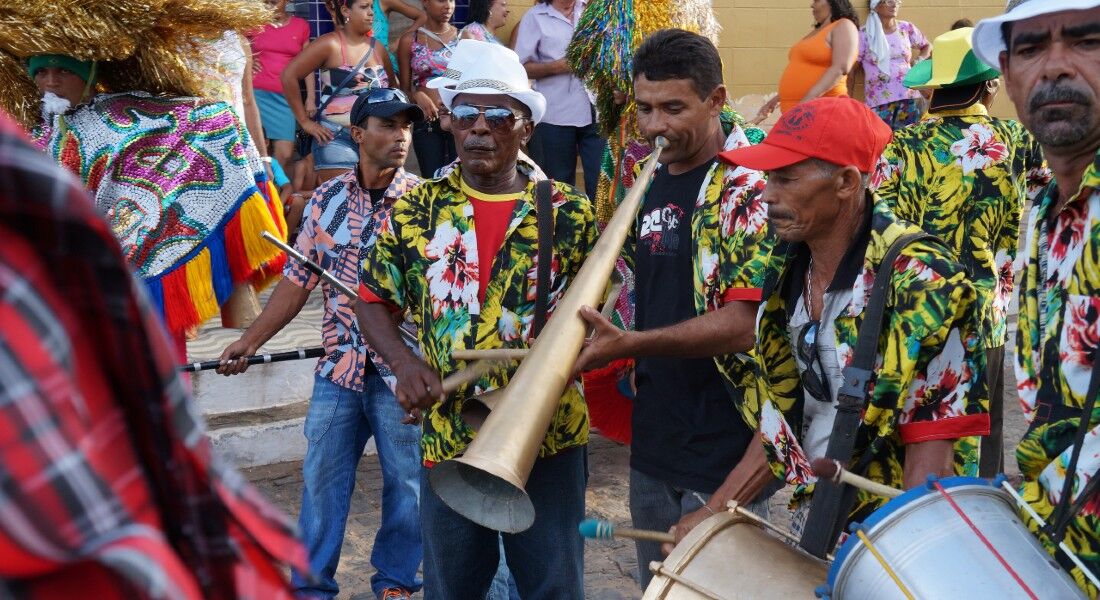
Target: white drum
[{"x": 935, "y": 553}]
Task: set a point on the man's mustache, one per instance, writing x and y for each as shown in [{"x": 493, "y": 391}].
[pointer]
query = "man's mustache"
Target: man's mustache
[
  {"x": 472, "y": 145},
  {"x": 779, "y": 214},
  {"x": 1057, "y": 92}
]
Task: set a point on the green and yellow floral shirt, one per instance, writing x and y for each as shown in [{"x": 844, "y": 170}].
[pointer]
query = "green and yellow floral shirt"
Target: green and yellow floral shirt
[
  {"x": 731, "y": 245},
  {"x": 426, "y": 260},
  {"x": 928, "y": 382},
  {"x": 963, "y": 176},
  {"x": 1056, "y": 343}
]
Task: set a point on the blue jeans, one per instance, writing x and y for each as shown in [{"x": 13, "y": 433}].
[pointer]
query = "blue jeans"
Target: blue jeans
[
  {"x": 555, "y": 149},
  {"x": 341, "y": 153},
  {"x": 338, "y": 425},
  {"x": 547, "y": 560}
]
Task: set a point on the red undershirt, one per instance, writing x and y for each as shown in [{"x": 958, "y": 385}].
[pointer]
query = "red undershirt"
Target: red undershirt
[{"x": 492, "y": 214}]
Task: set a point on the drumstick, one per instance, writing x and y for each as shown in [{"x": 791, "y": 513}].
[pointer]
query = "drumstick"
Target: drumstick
[
  {"x": 470, "y": 374},
  {"x": 1042, "y": 526},
  {"x": 319, "y": 271},
  {"x": 256, "y": 359},
  {"x": 502, "y": 354},
  {"x": 595, "y": 529},
  {"x": 831, "y": 470}
]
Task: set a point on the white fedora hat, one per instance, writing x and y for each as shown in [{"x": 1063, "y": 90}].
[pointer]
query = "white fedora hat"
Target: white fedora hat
[
  {"x": 485, "y": 68},
  {"x": 464, "y": 57},
  {"x": 988, "y": 41}
]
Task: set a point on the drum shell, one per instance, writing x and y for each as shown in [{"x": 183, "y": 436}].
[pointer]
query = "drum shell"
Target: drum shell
[
  {"x": 736, "y": 558},
  {"x": 937, "y": 555}
]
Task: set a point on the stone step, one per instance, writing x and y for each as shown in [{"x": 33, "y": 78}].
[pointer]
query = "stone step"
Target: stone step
[{"x": 257, "y": 418}]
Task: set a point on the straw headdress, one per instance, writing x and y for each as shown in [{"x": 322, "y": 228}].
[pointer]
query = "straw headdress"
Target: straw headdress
[{"x": 146, "y": 45}]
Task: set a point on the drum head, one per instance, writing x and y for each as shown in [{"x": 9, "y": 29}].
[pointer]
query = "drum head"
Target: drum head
[{"x": 728, "y": 556}]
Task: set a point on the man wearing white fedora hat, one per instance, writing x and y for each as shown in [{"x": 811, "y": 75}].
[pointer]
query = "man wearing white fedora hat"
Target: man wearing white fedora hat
[
  {"x": 460, "y": 253},
  {"x": 466, "y": 54},
  {"x": 1049, "y": 53}
]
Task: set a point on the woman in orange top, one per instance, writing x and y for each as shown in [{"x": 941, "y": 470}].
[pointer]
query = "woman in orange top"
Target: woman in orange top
[{"x": 820, "y": 62}]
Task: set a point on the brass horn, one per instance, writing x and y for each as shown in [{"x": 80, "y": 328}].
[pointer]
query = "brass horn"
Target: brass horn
[{"x": 486, "y": 484}]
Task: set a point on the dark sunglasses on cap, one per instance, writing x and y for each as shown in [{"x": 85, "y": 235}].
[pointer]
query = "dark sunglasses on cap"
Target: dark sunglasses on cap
[
  {"x": 498, "y": 118},
  {"x": 379, "y": 95}
]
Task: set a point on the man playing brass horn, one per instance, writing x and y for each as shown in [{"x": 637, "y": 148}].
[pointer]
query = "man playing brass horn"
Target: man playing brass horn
[
  {"x": 923, "y": 386},
  {"x": 699, "y": 254},
  {"x": 460, "y": 254}
]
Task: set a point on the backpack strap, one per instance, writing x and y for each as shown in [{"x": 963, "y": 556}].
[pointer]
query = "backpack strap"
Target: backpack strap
[{"x": 831, "y": 503}]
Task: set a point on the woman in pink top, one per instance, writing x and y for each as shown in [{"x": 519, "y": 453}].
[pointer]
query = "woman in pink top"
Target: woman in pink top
[
  {"x": 888, "y": 48},
  {"x": 338, "y": 54},
  {"x": 273, "y": 48}
]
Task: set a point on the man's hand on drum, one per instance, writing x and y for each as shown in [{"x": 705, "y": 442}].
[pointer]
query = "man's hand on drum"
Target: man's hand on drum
[{"x": 686, "y": 524}]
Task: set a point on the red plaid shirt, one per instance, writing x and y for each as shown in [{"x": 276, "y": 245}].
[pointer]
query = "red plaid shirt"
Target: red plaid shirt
[{"x": 108, "y": 487}]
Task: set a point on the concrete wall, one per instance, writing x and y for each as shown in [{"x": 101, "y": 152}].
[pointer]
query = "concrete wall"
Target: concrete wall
[{"x": 756, "y": 34}]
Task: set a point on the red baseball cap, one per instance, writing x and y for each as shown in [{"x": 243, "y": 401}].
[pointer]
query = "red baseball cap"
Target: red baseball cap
[{"x": 839, "y": 130}]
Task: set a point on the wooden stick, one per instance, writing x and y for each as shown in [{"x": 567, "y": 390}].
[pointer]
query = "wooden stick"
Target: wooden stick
[
  {"x": 658, "y": 569},
  {"x": 469, "y": 375},
  {"x": 499, "y": 354},
  {"x": 826, "y": 468},
  {"x": 604, "y": 530}
]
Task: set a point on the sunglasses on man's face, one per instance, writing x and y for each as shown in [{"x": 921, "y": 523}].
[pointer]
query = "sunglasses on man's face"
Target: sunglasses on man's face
[{"x": 499, "y": 119}]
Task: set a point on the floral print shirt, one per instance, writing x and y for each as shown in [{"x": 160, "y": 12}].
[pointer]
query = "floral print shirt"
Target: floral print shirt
[
  {"x": 885, "y": 86},
  {"x": 1056, "y": 344},
  {"x": 340, "y": 222},
  {"x": 731, "y": 245},
  {"x": 426, "y": 260},
  {"x": 964, "y": 176},
  {"x": 929, "y": 379}
]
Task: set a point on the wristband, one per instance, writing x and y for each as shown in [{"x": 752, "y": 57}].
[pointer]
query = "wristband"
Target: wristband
[
  {"x": 266, "y": 159},
  {"x": 704, "y": 502}
]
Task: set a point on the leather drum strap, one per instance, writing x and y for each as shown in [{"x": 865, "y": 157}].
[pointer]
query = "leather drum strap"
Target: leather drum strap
[
  {"x": 545, "y": 218},
  {"x": 831, "y": 502}
]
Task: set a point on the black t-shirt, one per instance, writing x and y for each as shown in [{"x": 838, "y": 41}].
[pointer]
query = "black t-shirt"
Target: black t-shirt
[
  {"x": 685, "y": 428},
  {"x": 376, "y": 194}
]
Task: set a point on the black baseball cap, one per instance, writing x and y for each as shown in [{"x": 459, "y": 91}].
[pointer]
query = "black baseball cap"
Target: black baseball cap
[{"x": 384, "y": 102}]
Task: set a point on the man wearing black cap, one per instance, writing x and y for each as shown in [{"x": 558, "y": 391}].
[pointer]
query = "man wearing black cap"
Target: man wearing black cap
[{"x": 352, "y": 397}]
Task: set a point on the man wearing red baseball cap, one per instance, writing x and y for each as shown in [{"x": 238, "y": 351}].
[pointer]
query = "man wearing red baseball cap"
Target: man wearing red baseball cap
[{"x": 889, "y": 404}]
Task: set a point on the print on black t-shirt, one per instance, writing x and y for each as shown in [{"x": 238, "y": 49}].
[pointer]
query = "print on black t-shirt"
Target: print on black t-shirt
[
  {"x": 660, "y": 230},
  {"x": 685, "y": 429}
]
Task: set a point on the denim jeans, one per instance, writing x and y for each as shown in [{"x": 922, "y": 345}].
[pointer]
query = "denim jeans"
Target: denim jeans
[
  {"x": 434, "y": 148},
  {"x": 546, "y": 561},
  {"x": 338, "y": 425},
  {"x": 341, "y": 153},
  {"x": 658, "y": 505},
  {"x": 555, "y": 149}
]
